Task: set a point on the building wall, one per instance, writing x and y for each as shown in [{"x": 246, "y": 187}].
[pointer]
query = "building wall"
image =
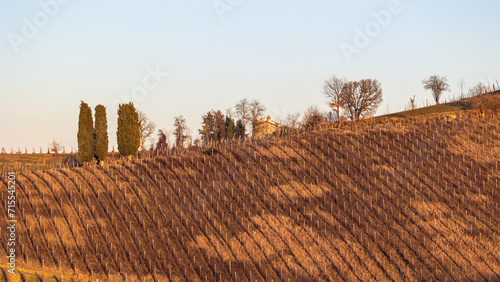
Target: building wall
[{"x": 264, "y": 128}]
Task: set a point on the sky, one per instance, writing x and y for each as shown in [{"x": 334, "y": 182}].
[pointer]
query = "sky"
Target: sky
[{"x": 173, "y": 57}]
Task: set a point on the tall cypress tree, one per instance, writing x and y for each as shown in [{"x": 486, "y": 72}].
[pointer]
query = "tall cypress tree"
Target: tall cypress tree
[
  {"x": 229, "y": 128},
  {"x": 100, "y": 134},
  {"x": 85, "y": 134},
  {"x": 128, "y": 134}
]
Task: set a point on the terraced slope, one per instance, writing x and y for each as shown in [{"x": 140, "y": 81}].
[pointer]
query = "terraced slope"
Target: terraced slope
[{"x": 414, "y": 202}]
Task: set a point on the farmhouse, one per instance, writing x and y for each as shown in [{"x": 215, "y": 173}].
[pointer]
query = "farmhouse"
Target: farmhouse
[{"x": 265, "y": 127}]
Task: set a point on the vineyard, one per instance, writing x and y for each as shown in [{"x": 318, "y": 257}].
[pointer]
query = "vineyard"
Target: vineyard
[{"x": 394, "y": 201}]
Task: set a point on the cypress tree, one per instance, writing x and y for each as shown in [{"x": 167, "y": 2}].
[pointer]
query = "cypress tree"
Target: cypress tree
[
  {"x": 128, "y": 134},
  {"x": 239, "y": 131},
  {"x": 220, "y": 128},
  {"x": 85, "y": 134},
  {"x": 229, "y": 128},
  {"x": 100, "y": 134},
  {"x": 208, "y": 128}
]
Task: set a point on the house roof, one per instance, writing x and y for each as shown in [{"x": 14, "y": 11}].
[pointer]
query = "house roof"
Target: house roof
[{"x": 267, "y": 120}]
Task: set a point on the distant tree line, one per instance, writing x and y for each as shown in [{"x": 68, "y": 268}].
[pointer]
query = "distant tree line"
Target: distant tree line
[
  {"x": 352, "y": 100},
  {"x": 216, "y": 127}
]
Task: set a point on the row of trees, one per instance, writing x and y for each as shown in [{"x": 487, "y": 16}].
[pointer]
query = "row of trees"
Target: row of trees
[
  {"x": 357, "y": 99},
  {"x": 133, "y": 129},
  {"x": 248, "y": 112},
  {"x": 360, "y": 99},
  {"x": 92, "y": 138},
  {"x": 348, "y": 99},
  {"x": 216, "y": 127},
  {"x": 439, "y": 84}
]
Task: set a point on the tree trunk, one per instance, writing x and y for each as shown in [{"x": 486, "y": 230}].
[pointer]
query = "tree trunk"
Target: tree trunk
[{"x": 338, "y": 117}]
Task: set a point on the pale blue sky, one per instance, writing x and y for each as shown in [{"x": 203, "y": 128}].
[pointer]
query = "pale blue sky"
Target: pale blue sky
[{"x": 279, "y": 52}]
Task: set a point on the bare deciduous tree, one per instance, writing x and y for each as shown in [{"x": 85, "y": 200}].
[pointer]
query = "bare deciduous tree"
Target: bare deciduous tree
[
  {"x": 146, "y": 127},
  {"x": 479, "y": 89},
  {"x": 163, "y": 140},
  {"x": 291, "y": 120},
  {"x": 242, "y": 111},
  {"x": 437, "y": 84},
  {"x": 361, "y": 99},
  {"x": 462, "y": 85},
  {"x": 330, "y": 116},
  {"x": 257, "y": 110},
  {"x": 412, "y": 103},
  {"x": 333, "y": 91},
  {"x": 387, "y": 109},
  {"x": 181, "y": 131},
  {"x": 55, "y": 146},
  {"x": 229, "y": 112},
  {"x": 312, "y": 118},
  {"x": 479, "y": 101}
]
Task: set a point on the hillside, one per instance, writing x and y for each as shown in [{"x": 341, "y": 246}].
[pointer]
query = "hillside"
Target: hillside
[
  {"x": 456, "y": 106},
  {"x": 401, "y": 201}
]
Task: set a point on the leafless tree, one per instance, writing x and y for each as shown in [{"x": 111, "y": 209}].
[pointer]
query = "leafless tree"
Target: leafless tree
[
  {"x": 181, "y": 131},
  {"x": 189, "y": 138},
  {"x": 229, "y": 112},
  {"x": 462, "y": 85},
  {"x": 291, "y": 120},
  {"x": 387, "y": 109},
  {"x": 242, "y": 111},
  {"x": 147, "y": 128},
  {"x": 361, "y": 99},
  {"x": 437, "y": 84},
  {"x": 412, "y": 103},
  {"x": 55, "y": 146},
  {"x": 479, "y": 101},
  {"x": 257, "y": 110},
  {"x": 479, "y": 89},
  {"x": 163, "y": 140},
  {"x": 333, "y": 91},
  {"x": 312, "y": 118},
  {"x": 330, "y": 116}
]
